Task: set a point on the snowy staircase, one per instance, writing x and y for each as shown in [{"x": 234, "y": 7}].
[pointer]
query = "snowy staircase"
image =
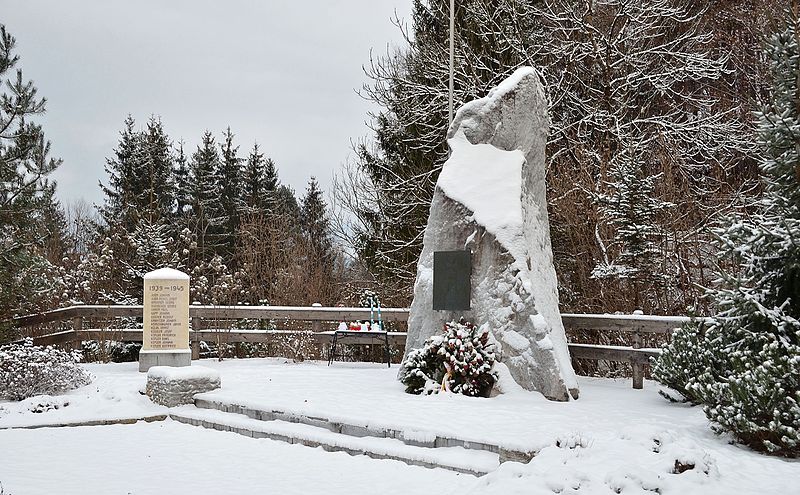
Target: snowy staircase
[{"x": 414, "y": 448}]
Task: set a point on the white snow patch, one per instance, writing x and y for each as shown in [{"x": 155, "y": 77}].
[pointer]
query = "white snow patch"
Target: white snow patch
[
  {"x": 176, "y": 373},
  {"x": 493, "y": 192},
  {"x": 515, "y": 340},
  {"x": 165, "y": 274},
  {"x": 176, "y": 459}
]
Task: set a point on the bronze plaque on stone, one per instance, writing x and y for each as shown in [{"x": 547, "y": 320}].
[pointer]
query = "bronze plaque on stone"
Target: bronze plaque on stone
[{"x": 452, "y": 271}]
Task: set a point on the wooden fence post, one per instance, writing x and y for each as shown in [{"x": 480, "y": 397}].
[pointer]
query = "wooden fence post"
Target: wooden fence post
[
  {"x": 77, "y": 326},
  {"x": 195, "y": 338},
  {"x": 636, "y": 366}
]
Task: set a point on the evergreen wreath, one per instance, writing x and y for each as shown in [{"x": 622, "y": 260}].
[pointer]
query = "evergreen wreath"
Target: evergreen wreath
[{"x": 460, "y": 360}]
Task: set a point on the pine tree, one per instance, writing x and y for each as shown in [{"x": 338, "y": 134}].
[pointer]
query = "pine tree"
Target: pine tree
[
  {"x": 205, "y": 194},
  {"x": 315, "y": 223},
  {"x": 745, "y": 367},
  {"x": 253, "y": 187},
  {"x": 228, "y": 178},
  {"x": 285, "y": 205},
  {"x": 320, "y": 256},
  {"x": 26, "y": 194},
  {"x": 158, "y": 197},
  {"x": 632, "y": 211},
  {"x": 119, "y": 206},
  {"x": 183, "y": 197},
  {"x": 140, "y": 200}
]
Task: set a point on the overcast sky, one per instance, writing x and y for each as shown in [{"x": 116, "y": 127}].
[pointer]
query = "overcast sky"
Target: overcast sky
[{"x": 282, "y": 73}]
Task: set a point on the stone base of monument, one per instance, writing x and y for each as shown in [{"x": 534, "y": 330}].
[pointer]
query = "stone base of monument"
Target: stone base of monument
[
  {"x": 172, "y": 387},
  {"x": 176, "y": 358}
]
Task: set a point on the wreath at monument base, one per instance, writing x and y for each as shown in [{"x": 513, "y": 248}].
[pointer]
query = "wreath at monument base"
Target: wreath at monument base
[{"x": 460, "y": 360}]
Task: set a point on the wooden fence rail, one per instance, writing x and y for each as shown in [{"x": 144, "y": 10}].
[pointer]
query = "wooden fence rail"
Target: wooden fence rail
[{"x": 636, "y": 325}]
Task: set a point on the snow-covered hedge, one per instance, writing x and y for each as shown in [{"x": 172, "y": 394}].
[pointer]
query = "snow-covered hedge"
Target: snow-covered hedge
[
  {"x": 27, "y": 370},
  {"x": 459, "y": 360}
]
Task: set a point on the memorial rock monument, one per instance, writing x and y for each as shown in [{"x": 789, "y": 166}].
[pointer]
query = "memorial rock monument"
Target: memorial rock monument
[
  {"x": 165, "y": 340},
  {"x": 490, "y": 200}
]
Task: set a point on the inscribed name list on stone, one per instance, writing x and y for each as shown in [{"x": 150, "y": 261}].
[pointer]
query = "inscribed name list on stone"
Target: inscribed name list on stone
[{"x": 166, "y": 311}]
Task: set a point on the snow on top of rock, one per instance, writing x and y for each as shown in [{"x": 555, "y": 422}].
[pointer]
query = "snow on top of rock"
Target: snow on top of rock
[
  {"x": 173, "y": 373},
  {"x": 488, "y": 181},
  {"x": 498, "y": 92},
  {"x": 166, "y": 274}
]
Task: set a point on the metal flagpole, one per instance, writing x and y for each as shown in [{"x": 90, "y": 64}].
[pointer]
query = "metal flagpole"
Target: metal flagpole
[{"x": 452, "y": 24}]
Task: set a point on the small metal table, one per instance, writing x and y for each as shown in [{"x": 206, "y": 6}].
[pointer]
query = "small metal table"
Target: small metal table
[{"x": 345, "y": 334}]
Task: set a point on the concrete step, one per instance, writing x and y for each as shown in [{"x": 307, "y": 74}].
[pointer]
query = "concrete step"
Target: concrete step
[
  {"x": 459, "y": 459},
  {"x": 352, "y": 428}
]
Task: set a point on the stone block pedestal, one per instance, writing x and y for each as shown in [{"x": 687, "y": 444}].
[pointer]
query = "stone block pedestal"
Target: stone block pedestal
[
  {"x": 176, "y": 358},
  {"x": 172, "y": 387}
]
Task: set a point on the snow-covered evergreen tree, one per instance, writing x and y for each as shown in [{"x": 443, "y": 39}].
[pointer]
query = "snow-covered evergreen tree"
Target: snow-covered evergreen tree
[
  {"x": 118, "y": 209},
  {"x": 315, "y": 222},
  {"x": 140, "y": 200},
  {"x": 745, "y": 368},
  {"x": 180, "y": 180},
  {"x": 320, "y": 257},
  {"x": 229, "y": 184},
  {"x": 205, "y": 194},
  {"x": 631, "y": 210},
  {"x": 158, "y": 196},
  {"x": 259, "y": 182},
  {"x": 26, "y": 194}
]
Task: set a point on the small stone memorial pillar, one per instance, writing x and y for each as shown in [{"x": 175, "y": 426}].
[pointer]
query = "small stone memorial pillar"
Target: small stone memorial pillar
[{"x": 166, "y": 320}]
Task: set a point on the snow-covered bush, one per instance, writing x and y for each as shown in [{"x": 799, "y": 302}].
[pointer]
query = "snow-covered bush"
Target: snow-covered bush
[
  {"x": 460, "y": 360},
  {"x": 27, "y": 370},
  {"x": 683, "y": 358},
  {"x": 745, "y": 369}
]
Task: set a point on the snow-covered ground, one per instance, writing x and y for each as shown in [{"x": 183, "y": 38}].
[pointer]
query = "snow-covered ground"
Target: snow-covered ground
[
  {"x": 170, "y": 458},
  {"x": 613, "y": 439}
]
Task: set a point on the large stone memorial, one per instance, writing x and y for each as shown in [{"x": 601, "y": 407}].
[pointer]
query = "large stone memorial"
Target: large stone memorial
[
  {"x": 490, "y": 200},
  {"x": 166, "y": 320}
]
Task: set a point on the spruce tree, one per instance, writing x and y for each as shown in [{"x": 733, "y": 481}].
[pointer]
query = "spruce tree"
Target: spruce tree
[
  {"x": 183, "y": 197},
  {"x": 253, "y": 182},
  {"x": 315, "y": 223},
  {"x": 139, "y": 201},
  {"x": 119, "y": 208},
  {"x": 158, "y": 197},
  {"x": 631, "y": 210},
  {"x": 745, "y": 367},
  {"x": 259, "y": 183},
  {"x": 206, "y": 214},
  {"x": 285, "y": 204},
  {"x": 318, "y": 249},
  {"x": 228, "y": 178},
  {"x": 26, "y": 194}
]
